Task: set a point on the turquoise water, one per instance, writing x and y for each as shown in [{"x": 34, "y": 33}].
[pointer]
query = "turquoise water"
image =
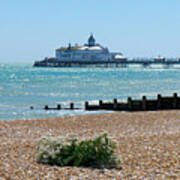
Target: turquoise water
[{"x": 22, "y": 86}]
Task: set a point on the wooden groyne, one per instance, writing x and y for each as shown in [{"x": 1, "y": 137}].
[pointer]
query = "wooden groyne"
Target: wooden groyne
[
  {"x": 59, "y": 107},
  {"x": 143, "y": 104}
]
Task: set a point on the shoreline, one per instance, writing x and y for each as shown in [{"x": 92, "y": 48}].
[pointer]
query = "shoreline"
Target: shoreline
[
  {"x": 148, "y": 144},
  {"x": 98, "y": 112}
]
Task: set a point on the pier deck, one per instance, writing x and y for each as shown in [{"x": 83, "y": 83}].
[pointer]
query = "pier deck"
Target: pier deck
[{"x": 104, "y": 64}]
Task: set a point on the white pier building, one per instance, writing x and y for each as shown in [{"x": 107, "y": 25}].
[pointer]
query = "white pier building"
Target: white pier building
[{"x": 90, "y": 52}]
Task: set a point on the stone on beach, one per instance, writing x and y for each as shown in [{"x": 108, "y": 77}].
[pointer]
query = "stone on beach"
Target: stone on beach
[{"x": 148, "y": 145}]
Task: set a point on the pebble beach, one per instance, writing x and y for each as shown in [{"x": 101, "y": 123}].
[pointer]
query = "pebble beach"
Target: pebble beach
[{"x": 148, "y": 146}]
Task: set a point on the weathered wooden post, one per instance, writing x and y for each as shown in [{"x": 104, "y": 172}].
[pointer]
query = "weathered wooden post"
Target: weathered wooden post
[
  {"x": 144, "y": 103},
  {"x": 130, "y": 105},
  {"x": 100, "y": 104},
  {"x": 115, "y": 104},
  {"x": 86, "y": 104},
  {"x": 159, "y": 101},
  {"x": 71, "y": 106},
  {"x": 46, "y": 107},
  {"x": 175, "y": 101},
  {"x": 58, "y": 106}
]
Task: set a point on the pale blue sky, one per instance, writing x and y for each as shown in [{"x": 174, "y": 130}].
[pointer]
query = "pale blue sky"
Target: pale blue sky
[{"x": 31, "y": 30}]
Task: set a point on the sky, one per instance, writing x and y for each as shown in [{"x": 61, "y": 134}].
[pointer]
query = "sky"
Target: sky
[{"x": 32, "y": 30}]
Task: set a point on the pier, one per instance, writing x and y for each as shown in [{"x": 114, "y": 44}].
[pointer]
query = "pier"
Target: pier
[
  {"x": 143, "y": 104},
  {"x": 145, "y": 62}
]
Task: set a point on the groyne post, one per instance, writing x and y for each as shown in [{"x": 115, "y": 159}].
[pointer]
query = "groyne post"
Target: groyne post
[
  {"x": 115, "y": 104},
  {"x": 46, "y": 107},
  {"x": 71, "y": 106},
  {"x": 175, "y": 101},
  {"x": 159, "y": 101},
  {"x": 144, "y": 103},
  {"x": 86, "y": 104},
  {"x": 130, "y": 105},
  {"x": 100, "y": 104},
  {"x": 58, "y": 106}
]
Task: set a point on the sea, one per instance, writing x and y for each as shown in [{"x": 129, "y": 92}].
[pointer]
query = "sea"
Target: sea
[{"x": 23, "y": 86}]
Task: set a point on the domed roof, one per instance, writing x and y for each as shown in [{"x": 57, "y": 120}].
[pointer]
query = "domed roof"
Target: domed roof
[{"x": 91, "y": 40}]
